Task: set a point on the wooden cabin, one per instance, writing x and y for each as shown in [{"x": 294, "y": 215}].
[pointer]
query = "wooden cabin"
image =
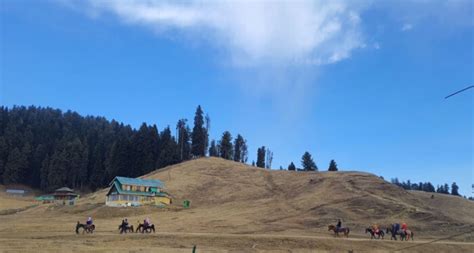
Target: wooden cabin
[
  {"x": 61, "y": 196},
  {"x": 65, "y": 196},
  {"x": 126, "y": 191}
]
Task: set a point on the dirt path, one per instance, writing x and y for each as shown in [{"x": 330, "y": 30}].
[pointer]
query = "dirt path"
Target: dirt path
[{"x": 103, "y": 241}]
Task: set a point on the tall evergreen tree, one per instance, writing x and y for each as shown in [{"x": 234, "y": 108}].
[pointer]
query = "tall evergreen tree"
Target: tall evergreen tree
[
  {"x": 183, "y": 140},
  {"x": 446, "y": 189},
  {"x": 213, "y": 149},
  {"x": 199, "y": 135},
  {"x": 15, "y": 166},
  {"x": 44, "y": 172},
  {"x": 261, "y": 157},
  {"x": 240, "y": 148},
  {"x": 292, "y": 167},
  {"x": 307, "y": 162},
  {"x": 169, "y": 153},
  {"x": 225, "y": 146},
  {"x": 244, "y": 152},
  {"x": 455, "y": 189},
  {"x": 333, "y": 166},
  {"x": 58, "y": 167}
]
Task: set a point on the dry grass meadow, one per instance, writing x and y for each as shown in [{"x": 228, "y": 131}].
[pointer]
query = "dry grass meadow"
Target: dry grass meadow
[{"x": 237, "y": 208}]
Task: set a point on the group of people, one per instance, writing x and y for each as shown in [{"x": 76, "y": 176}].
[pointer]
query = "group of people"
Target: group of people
[
  {"x": 146, "y": 222},
  {"x": 376, "y": 228},
  {"x": 396, "y": 227}
]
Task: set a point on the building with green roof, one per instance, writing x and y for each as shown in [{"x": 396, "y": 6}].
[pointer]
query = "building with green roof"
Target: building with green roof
[{"x": 126, "y": 191}]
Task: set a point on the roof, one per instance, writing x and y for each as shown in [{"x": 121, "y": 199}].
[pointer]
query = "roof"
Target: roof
[
  {"x": 45, "y": 197},
  {"x": 64, "y": 194},
  {"x": 139, "y": 181},
  {"x": 64, "y": 189},
  {"x": 121, "y": 191},
  {"x": 15, "y": 191}
]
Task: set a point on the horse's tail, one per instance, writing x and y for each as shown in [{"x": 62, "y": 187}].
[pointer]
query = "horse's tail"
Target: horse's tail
[{"x": 77, "y": 227}]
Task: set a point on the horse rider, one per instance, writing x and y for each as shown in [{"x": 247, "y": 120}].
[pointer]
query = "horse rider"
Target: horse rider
[
  {"x": 404, "y": 227},
  {"x": 146, "y": 222},
  {"x": 338, "y": 225},
  {"x": 89, "y": 221},
  {"x": 125, "y": 223},
  {"x": 376, "y": 229}
]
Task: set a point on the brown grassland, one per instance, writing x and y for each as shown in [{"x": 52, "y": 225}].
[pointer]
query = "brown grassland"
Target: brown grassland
[{"x": 237, "y": 208}]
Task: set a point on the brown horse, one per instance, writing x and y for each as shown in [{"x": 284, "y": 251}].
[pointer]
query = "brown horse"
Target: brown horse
[
  {"x": 141, "y": 227},
  {"x": 336, "y": 230},
  {"x": 85, "y": 228},
  {"x": 124, "y": 228}
]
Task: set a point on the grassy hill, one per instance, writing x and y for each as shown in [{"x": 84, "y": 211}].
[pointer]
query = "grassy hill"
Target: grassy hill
[
  {"x": 231, "y": 201},
  {"x": 232, "y": 197},
  {"x": 226, "y": 194}
]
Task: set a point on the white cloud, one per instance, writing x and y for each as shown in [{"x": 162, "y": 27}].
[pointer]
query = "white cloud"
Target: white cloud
[
  {"x": 253, "y": 32},
  {"x": 407, "y": 27}
]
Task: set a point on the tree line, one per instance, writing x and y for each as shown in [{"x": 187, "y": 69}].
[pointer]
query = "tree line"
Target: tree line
[
  {"x": 47, "y": 148},
  {"x": 427, "y": 187}
]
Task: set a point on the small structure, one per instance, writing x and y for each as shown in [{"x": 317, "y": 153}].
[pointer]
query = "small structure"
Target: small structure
[
  {"x": 16, "y": 192},
  {"x": 65, "y": 196},
  {"x": 61, "y": 196},
  {"x": 45, "y": 199},
  {"x": 126, "y": 191}
]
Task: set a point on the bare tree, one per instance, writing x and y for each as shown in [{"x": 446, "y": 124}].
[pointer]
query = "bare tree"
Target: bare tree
[{"x": 269, "y": 159}]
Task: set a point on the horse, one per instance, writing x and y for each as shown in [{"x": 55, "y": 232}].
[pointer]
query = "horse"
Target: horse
[
  {"x": 338, "y": 230},
  {"x": 141, "y": 227},
  {"x": 408, "y": 234},
  {"x": 404, "y": 235},
  {"x": 85, "y": 228},
  {"x": 373, "y": 234},
  {"x": 124, "y": 228}
]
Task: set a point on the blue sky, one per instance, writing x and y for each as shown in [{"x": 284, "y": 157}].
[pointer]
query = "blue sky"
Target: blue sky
[{"x": 361, "y": 82}]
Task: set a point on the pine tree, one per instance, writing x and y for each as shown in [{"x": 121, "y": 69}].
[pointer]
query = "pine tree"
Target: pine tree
[
  {"x": 446, "y": 189},
  {"x": 292, "y": 167},
  {"x": 240, "y": 147},
  {"x": 333, "y": 166},
  {"x": 169, "y": 154},
  {"x": 183, "y": 140},
  {"x": 261, "y": 157},
  {"x": 44, "y": 172},
  {"x": 15, "y": 166},
  {"x": 455, "y": 189},
  {"x": 225, "y": 144},
  {"x": 199, "y": 134},
  {"x": 307, "y": 162},
  {"x": 213, "y": 149},
  {"x": 244, "y": 152},
  {"x": 58, "y": 168}
]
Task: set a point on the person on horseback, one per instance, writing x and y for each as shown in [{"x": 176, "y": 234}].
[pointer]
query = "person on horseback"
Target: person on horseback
[
  {"x": 376, "y": 229},
  {"x": 338, "y": 225},
  {"x": 396, "y": 227},
  {"x": 125, "y": 223},
  {"x": 89, "y": 221},
  {"x": 146, "y": 222},
  {"x": 404, "y": 227}
]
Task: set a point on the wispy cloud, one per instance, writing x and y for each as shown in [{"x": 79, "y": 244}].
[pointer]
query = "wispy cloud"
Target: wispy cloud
[
  {"x": 253, "y": 32},
  {"x": 407, "y": 27}
]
